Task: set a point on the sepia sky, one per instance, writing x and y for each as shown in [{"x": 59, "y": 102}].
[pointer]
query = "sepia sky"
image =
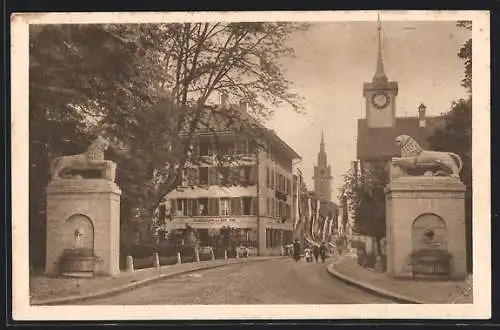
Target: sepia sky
[{"x": 332, "y": 61}]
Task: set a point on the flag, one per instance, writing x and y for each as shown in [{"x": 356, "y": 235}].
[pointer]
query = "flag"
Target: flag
[
  {"x": 325, "y": 228},
  {"x": 297, "y": 204}
]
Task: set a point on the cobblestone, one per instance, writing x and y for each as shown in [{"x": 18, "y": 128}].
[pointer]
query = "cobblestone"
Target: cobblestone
[{"x": 281, "y": 281}]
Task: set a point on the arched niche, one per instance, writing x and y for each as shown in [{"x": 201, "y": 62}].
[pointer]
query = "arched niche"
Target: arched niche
[
  {"x": 428, "y": 231},
  {"x": 78, "y": 232}
]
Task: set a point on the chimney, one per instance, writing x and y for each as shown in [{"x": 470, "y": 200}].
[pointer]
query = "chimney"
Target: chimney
[
  {"x": 223, "y": 100},
  {"x": 421, "y": 115},
  {"x": 243, "y": 105}
]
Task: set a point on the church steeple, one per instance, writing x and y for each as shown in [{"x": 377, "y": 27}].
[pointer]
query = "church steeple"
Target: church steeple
[
  {"x": 380, "y": 72},
  {"x": 322, "y": 172},
  {"x": 322, "y": 143}
]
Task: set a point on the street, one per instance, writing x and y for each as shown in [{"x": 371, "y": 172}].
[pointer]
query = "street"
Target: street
[{"x": 282, "y": 281}]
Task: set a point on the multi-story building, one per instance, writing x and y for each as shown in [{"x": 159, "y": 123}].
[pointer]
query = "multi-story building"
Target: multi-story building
[{"x": 240, "y": 181}]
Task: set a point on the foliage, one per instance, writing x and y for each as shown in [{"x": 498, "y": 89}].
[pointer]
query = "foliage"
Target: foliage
[
  {"x": 366, "y": 198},
  {"x": 455, "y": 135},
  {"x": 146, "y": 88},
  {"x": 465, "y": 54}
]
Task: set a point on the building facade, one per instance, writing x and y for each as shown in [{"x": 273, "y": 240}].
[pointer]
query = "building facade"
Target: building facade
[
  {"x": 323, "y": 174},
  {"x": 238, "y": 182}
]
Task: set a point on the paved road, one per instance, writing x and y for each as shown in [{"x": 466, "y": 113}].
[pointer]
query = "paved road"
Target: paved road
[{"x": 282, "y": 281}]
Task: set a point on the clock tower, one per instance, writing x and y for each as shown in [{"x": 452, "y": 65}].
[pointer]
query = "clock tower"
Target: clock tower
[
  {"x": 380, "y": 94},
  {"x": 322, "y": 174}
]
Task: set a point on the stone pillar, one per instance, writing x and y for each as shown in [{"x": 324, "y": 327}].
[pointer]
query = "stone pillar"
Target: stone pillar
[
  {"x": 196, "y": 254},
  {"x": 130, "y": 264},
  {"x": 69, "y": 203},
  {"x": 408, "y": 198},
  {"x": 156, "y": 260}
]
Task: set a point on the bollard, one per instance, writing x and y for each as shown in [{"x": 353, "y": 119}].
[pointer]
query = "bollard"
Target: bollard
[
  {"x": 130, "y": 264},
  {"x": 196, "y": 255},
  {"x": 225, "y": 254},
  {"x": 179, "y": 260},
  {"x": 156, "y": 260},
  {"x": 212, "y": 254}
]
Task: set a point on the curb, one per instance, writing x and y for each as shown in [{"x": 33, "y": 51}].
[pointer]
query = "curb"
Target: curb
[
  {"x": 330, "y": 268},
  {"x": 141, "y": 283}
]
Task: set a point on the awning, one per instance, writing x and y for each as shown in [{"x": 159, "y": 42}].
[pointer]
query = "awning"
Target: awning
[{"x": 212, "y": 192}]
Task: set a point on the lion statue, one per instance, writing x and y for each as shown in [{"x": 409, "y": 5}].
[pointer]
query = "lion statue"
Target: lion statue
[
  {"x": 413, "y": 156},
  {"x": 92, "y": 159}
]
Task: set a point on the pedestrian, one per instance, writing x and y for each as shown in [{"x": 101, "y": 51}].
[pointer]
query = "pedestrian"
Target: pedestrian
[
  {"x": 316, "y": 252},
  {"x": 322, "y": 252},
  {"x": 296, "y": 250}
]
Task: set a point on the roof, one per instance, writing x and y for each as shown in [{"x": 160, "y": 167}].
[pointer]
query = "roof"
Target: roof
[
  {"x": 234, "y": 119},
  {"x": 378, "y": 143}
]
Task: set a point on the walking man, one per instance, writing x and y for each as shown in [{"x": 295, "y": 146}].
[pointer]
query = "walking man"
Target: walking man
[
  {"x": 322, "y": 252},
  {"x": 296, "y": 250},
  {"x": 316, "y": 252}
]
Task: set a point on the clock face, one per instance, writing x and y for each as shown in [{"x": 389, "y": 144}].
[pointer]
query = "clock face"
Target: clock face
[{"x": 380, "y": 100}]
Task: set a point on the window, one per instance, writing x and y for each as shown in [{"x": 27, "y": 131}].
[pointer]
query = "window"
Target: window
[
  {"x": 224, "y": 174},
  {"x": 247, "y": 171},
  {"x": 268, "y": 179},
  {"x": 182, "y": 207},
  {"x": 247, "y": 205},
  {"x": 268, "y": 207},
  {"x": 273, "y": 208},
  {"x": 202, "y": 206},
  {"x": 242, "y": 146},
  {"x": 272, "y": 179},
  {"x": 224, "y": 206},
  {"x": 204, "y": 148},
  {"x": 203, "y": 175}
]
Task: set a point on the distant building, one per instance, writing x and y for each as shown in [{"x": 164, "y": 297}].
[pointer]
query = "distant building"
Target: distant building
[
  {"x": 323, "y": 174},
  {"x": 237, "y": 183}
]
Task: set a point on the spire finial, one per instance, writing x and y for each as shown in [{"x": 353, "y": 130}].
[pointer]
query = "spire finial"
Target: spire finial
[{"x": 379, "y": 73}]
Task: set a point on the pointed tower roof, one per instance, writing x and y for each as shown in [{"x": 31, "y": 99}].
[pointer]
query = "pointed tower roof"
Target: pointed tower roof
[
  {"x": 380, "y": 72},
  {"x": 322, "y": 143}
]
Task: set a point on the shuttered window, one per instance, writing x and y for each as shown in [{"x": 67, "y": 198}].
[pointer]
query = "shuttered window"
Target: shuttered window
[
  {"x": 236, "y": 206},
  {"x": 213, "y": 206},
  {"x": 173, "y": 205},
  {"x": 212, "y": 176}
]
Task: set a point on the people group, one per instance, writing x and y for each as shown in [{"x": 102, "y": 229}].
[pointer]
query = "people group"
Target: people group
[{"x": 317, "y": 251}]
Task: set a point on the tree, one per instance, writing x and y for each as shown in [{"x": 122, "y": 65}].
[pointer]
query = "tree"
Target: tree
[
  {"x": 455, "y": 135},
  {"x": 465, "y": 54},
  {"x": 146, "y": 87},
  {"x": 365, "y": 194}
]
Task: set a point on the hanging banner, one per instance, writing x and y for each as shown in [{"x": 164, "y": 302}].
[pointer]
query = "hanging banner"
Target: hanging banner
[{"x": 325, "y": 228}]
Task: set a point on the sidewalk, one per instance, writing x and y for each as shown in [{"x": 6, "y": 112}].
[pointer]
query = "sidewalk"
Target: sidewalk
[
  {"x": 403, "y": 291},
  {"x": 62, "y": 290}
]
